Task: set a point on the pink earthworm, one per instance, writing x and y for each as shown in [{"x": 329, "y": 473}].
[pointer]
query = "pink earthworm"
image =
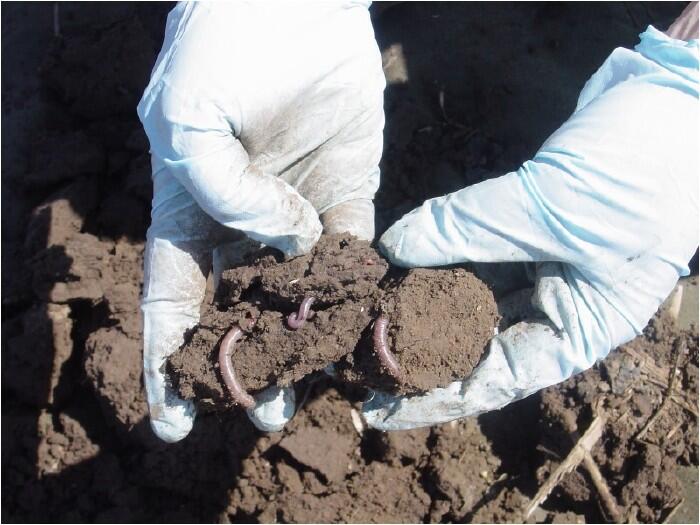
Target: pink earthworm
[
  {"x": 296, "y": 320},
  {"x": 235, "y": 388},
  {"x": 381, "y": 347}
]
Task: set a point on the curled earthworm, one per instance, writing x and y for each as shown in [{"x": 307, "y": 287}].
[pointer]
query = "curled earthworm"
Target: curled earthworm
[
  {"x": 235, "y": 388},
  {"x": 381, "y": 348},
  {"x": 296, "y": 320}
]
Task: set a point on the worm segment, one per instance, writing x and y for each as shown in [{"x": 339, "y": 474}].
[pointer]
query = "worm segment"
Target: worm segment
[
  {"x": 297, "y": 319},
  {"x": 237, "y": 391},
  {"x": 381, "y": 347}
]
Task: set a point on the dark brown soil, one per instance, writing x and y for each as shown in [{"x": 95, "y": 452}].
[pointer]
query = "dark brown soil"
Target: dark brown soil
[
  {"x": 440, "y": 322},
  {"x": 341, "y": 273},
  {"x": 270, "y": 353},
  {"x": 76, "y": 194},
  {"x": 339, "y": 269}
]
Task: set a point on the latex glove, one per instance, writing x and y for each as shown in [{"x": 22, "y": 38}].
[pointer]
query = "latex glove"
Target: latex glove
[
  {"x": 255, "y": 128},
  {"x": 607, "y": 207}
]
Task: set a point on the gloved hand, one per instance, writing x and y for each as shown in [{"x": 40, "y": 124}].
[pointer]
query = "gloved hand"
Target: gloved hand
[
  {"x": 265, "y": 122},
  {"x": 607, "y": 209}
]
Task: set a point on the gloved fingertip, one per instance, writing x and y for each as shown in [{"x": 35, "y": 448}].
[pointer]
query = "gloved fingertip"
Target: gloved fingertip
[
  {"x": 390, "y": 244},
  {"x": 375, "y": 409},
  {"x": 174, "y": 423},
  {"x": 274, "y": 407},
  {"x": 300, "y": 245}
]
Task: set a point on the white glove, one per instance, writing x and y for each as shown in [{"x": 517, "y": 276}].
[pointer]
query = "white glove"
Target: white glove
[
  {"x": 266, "y": 119},
  {"x": 608, "y": 208}
]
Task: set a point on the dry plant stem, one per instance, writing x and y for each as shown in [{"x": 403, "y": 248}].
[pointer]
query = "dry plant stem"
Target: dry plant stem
[
  {"x": 297, "y": 319},
  {"x": 673, "y": 511},
  {"x": 381, "y": 346},
  {"x": 678, "y": 349},
  {"x": 234, "y": 387},
  {"x": 577, "y": 454},
  {"x": 602, "y": 488}
]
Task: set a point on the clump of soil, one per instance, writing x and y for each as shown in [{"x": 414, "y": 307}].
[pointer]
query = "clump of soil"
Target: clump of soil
[
  {"x": 342, "y": 273},
  {"x": 339, "y": 268},
  {"x": 440, "y": 322},
  {"x": 269, "y": 353}
]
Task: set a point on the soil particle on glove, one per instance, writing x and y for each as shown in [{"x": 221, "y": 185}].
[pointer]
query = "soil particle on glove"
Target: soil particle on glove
[{"x": 439, "y": 322}]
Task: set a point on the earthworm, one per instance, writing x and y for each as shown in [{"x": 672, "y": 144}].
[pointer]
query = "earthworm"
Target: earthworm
[
  {"x": 235, "y": 388},
  {"x": 296, "y": 320},
  {"x": 381, "y": 347}
]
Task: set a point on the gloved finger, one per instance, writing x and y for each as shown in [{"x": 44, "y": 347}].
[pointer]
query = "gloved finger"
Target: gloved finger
[
  {"x": 355, "y": 217},
  {"x": 176, "y": 262},
  {"x": 591, "y": 187},
  {"x": 213, "y": 166},
  {"x": 275, "y": 406}
]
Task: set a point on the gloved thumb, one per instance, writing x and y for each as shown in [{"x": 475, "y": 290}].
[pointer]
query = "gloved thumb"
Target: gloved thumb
[
  {"x": 488, "y": 222},
  {"x": 512, "y": 218}
]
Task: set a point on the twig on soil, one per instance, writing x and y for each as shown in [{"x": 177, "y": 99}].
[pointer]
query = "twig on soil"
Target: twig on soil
[
  {"x": 545, "y": 450},
  {"x": 677, "y": 346},
  {"x": 580, "y": 453},
  {"x": 675, "y": 429},
  {"x": 602, "y": 488},
  {"x": 589, "y": 438},
  {"x": 683, "y": 402},
  {"x": 667, "y": 519},
  {"x": 56, "y": 20}
]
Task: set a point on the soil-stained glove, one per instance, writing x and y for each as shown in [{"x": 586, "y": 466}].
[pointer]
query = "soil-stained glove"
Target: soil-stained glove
[
  {"x": 264, "y": 120},
  {"x": 607, "y": 208}
]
